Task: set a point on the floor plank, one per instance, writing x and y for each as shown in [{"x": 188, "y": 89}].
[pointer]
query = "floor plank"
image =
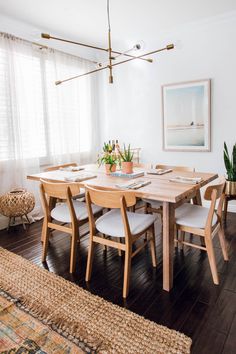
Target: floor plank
[{"x": 195, "y": 306}]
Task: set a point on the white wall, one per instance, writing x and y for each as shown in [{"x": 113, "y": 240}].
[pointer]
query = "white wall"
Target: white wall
[
  {"x": 130, "y": 109},
  {"x": 132, "y": 105},
  {"x": 33, "y": 33}
]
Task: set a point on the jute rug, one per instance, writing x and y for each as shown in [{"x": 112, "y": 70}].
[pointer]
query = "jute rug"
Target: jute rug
[{"x": 81, "y": 317}]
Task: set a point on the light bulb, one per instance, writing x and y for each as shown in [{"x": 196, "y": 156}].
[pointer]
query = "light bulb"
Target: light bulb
[{"x": 140, "y": 45}]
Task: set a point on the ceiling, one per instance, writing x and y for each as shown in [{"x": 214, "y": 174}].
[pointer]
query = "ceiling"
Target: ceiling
[{"x": 132, "y": 20}]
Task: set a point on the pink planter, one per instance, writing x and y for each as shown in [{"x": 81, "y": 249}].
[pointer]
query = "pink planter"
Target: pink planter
[
  {"x": 110, "y": 168},
  {"x": 127, "y": 167}
]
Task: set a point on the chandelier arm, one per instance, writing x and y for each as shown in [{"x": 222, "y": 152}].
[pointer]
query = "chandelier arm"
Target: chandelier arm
[
  {"x": 77, "y": 76},
  {"x": 168, "y": 47},
  {"x": 48, "y": 36}
]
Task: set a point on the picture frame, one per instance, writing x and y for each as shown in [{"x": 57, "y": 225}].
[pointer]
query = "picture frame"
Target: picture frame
[{"x": 186, "y": 116}]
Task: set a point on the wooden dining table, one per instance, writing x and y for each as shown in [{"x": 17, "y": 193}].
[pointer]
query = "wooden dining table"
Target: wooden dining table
[{"x": 171, "y": 194}]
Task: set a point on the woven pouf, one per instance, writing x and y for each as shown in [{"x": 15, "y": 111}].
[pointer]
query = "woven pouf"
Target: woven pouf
[{"x": 17, "y": 203}]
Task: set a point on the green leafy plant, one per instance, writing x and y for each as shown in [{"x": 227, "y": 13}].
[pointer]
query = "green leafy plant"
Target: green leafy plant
[
  {"x": 126, "y": 155},
  {"x": 230, "y": 163},
  {"x": 107, "y": 158},
  {"x": 107, "y": 147}
]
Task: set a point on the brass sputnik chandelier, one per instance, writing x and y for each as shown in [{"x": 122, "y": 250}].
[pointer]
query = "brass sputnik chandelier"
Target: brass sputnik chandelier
[{"x": 112, "y": 54}]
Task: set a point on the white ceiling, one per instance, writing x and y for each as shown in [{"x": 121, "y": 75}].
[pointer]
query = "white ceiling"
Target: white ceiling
[{"x": 85, "y": 20}]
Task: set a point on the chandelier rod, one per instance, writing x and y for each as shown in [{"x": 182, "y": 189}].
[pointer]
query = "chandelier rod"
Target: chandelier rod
[
  {"x": 48, "y": 36},
  {"x": 168, "y": 47},
  {"x": 109, "y": 44}
]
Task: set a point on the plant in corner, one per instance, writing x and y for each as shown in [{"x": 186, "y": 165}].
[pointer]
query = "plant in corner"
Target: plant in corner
[
  {"x": 108, "y": 158},
  {"x": 230, "y": 165},
  {"x": 126, "y": 160}
]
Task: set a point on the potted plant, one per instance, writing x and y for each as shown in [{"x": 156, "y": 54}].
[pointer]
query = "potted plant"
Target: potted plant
[
  {"x": 108, "y": 158},
  {"x": 230, "y": 165},
  {"x": 126, "y": 160}
]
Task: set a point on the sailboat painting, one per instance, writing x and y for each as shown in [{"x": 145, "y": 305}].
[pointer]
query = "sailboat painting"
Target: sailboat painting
[{"x": 186, "y": 116}]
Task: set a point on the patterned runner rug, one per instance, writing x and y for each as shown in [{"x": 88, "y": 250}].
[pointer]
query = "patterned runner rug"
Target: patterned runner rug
[
  {"x": 22, "y": 333},
  {"x": 91, "y": 322}
]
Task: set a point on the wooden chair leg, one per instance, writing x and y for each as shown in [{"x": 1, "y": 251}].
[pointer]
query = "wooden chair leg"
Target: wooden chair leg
[
  {"x": 119, "y": 251},
  {"x": 44, "y": 229},
  {"x": 145, "y": 212},
  {"x": 177, "y": 237},
  {"x": 202, "y": 241},
  {"x": 90, "y": 260},
  {"x": 153, "y": 247},
  {"x": 223, "y": 244},
  {"x": 73, "y": 250},
  {"x": 45, "y": 237},
  {"x": 212, "y": 260},
  {"x": 127, "y": 272},
  {"x": 181, "y": 239},
  {"x": 104, "y": 247}
]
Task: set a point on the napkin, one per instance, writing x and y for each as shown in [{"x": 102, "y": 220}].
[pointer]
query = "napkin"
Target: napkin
[
  {"x": 71, "y": 168},
  {"x": 133, "y": 185},
  {"x": 188, "y": 180},
  {"x": 159, "y": 171},
  {"x": 79, "y": 177}
]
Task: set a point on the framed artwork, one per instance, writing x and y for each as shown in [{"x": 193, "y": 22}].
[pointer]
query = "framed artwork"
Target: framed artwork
[{"x": 186, "y": 109}]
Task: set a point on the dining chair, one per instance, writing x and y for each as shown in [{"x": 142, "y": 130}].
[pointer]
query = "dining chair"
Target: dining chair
[
  {"x": 57, "y": 167},
  {"x": 154, "y": 206},
  {"x": 204, "y": 222},
  {"x": 142, "y": 165},
  {"x": 65, "y": 165},
  {"x": 118, "y": 224},
  {"x": 72, "y": 213}
]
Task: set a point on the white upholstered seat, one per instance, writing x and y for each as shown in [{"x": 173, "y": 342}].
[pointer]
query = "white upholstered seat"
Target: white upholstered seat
[
  {"x": 111, "y": 223},
  {"x": 61, "y": 212},
  {"x": 80, "y": 195},
  {"x": 193, "y": 216},
  {"x": 155, "y": 204}
]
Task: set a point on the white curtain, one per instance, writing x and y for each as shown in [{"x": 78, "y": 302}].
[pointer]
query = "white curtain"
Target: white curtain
[{"x": 41, "y": 123}]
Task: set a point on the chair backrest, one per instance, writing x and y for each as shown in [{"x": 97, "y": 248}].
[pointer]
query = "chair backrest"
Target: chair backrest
[
  {"x": 60, "y": 190},
  {"x": 213, "y": 193},
  {"x": 142, "y": 165},
  {"x": 54, "y": 168},
  {"x": 112, "y": 200},
  {"x": 64, "y": 191},
  {"x": 176, "y": 168}
]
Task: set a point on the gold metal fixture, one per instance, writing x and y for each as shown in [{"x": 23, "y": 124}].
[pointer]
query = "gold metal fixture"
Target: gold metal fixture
[
  {"x": 48, "y": 36},
  {"x": 110, "y": 52}
]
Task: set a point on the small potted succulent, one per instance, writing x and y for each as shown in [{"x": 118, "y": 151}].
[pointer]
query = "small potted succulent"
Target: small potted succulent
[
  {"x": 126, "y": 160},
  {"x": 230, "y": 165},
  {"x": 108, "y": 158}
]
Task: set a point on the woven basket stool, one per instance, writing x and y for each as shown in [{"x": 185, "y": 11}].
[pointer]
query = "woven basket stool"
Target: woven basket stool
[{"x": 17, "y": 203}]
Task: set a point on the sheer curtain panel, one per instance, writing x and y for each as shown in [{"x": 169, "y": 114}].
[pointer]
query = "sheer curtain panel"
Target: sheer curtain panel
[{"x": 41, "y": 123}]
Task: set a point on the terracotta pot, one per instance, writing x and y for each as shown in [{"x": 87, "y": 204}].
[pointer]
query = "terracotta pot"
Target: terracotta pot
[
  {"x": 127, "y": 167},
  {"x": 230, "y": 188},
  {"x": 110, "y": 168}
]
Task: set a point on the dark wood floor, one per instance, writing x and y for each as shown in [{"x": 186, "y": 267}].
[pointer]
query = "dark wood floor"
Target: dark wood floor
[{"x": 195, "y": 306}]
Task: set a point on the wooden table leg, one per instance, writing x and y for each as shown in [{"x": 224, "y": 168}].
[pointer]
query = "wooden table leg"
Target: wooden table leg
[
  {"x": 168, "y": 244},
  {"x": 197, "y": 200}
]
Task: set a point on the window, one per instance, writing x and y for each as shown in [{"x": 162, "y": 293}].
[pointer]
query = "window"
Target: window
[{"x": 37, "y": 118}]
